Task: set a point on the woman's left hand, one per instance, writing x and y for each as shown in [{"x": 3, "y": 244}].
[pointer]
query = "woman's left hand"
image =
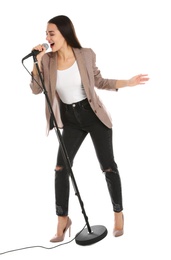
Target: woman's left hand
[{"x": 139, "y": 79}]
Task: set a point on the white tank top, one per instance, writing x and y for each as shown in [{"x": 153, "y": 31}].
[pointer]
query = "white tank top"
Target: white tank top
[{"x": 69, "y": 85}]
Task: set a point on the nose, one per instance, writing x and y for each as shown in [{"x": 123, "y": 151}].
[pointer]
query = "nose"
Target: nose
[{"x": 47, "y": 37}]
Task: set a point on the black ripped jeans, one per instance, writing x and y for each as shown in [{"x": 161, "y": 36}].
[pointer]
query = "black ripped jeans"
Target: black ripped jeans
[{"x": 79, "y": 120}]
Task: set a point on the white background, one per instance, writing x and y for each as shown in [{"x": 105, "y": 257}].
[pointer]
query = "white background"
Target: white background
[{"x": 129, "y": 37}]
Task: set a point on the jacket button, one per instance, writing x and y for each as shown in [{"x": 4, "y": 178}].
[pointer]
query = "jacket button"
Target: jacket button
[{"x": 95, "y": 111}]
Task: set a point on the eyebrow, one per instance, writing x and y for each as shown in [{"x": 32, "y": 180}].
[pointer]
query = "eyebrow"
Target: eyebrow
[{"x": 49, "y": 31}]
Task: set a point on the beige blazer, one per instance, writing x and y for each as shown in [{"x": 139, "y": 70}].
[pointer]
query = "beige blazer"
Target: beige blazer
[{"x": 90, "y": 76}]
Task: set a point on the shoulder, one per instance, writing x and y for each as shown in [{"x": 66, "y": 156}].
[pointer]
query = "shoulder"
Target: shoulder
[
  {"x": 88, "y": 51},
  {"x": 48, "y": 56}
]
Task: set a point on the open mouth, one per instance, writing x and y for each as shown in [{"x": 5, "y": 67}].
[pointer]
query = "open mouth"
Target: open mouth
[{"x": 51, "y": 45}]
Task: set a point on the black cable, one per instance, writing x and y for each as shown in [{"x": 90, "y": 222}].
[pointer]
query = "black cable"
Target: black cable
[
  {"x": 31, "y": 247},
  {"x": 43, "y": 247}
]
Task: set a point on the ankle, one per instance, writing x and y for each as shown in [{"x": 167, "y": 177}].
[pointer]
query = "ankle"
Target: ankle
[
  {"x": 62, "y": 222},
  {"x": 62, "y": 218},
  {"x": 118, "y": 220}
]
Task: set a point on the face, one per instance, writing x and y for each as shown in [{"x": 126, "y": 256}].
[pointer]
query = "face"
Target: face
[{"x": 54, "y": 37}]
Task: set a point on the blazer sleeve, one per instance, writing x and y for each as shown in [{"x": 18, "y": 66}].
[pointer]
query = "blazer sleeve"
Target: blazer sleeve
[
  {"x": 100, "y": 82},
  {"x": 36, "y": 84}
]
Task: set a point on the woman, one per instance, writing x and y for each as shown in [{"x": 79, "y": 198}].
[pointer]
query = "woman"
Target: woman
[{"x": 70, "y": 76}]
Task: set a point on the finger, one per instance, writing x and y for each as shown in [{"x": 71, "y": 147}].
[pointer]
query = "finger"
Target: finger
[
  {"x": 143, "y": 75},
  {"x": 144, "y": 79},
  {"x": 38, "y": 47}
]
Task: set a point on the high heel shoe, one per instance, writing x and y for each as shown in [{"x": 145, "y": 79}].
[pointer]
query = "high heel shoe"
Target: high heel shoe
[
  {"x": 119, "y": 232},
  {"x": 56, "y": 239}
]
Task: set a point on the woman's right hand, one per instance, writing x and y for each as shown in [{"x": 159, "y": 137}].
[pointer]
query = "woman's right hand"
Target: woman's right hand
[
  {"x": 39, "y": 56},
  {"x": 42, "y": 50}
]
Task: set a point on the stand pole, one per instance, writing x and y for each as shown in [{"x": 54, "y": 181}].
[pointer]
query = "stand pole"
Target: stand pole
[{"x": 88, "y": 235}]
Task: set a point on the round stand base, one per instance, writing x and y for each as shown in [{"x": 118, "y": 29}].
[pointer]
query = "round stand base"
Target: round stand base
[{"x": 86, "y": 238}]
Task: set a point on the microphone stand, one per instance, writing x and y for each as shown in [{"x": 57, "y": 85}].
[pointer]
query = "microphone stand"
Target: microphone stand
[{"x": 92, "y": 234}]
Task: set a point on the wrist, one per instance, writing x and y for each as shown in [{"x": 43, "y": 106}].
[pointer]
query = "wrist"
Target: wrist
[{"x": 128, "y": 83}]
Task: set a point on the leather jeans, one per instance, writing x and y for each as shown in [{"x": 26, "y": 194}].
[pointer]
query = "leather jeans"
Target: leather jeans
[{"x": 80, "y": 120}]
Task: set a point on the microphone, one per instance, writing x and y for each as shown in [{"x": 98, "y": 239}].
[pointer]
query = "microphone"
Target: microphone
[{"x": 35, "y": 52}]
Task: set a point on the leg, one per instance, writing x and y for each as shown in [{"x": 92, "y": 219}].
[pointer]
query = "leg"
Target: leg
[
  {"x": 72, "y": 139},
  {"x": 102, "y": 140}
]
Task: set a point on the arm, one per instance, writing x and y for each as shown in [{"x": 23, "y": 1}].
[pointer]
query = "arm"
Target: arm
[
  {"x": 115, "y": 84},
  {"x": 42, "y": 50},
  {"x": 136, "y": 80},
  {"x": 36, "y": 89}
]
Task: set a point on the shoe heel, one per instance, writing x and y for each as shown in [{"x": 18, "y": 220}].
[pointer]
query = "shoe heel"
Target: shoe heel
[
  {"x": 61, "y": 238},
  {"x": 69, "y": 231}
]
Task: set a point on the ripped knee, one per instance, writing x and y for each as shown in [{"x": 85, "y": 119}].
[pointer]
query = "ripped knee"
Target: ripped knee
[
  {"x": 108, "y": 170},
  {"x": 59, "y": 168},
  {"x": 111, "y": 171}
]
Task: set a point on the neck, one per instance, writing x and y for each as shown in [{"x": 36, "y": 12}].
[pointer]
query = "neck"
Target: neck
[{"x": 65, "y": 53}]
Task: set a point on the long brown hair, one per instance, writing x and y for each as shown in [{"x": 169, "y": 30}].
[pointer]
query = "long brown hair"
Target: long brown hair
[{"x": 66, "y": 28}]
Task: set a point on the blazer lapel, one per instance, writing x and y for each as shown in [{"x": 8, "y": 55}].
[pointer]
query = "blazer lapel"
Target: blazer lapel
[
  {"x": 53, "y": 72},
  {"x": 82, "y": 68}
]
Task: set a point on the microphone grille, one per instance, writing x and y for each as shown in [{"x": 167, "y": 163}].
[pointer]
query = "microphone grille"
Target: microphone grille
[{"x": 45, "y": 45}]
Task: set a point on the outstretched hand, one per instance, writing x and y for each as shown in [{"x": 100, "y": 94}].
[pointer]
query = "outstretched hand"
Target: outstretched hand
[{"x": 139, "y": 79}]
